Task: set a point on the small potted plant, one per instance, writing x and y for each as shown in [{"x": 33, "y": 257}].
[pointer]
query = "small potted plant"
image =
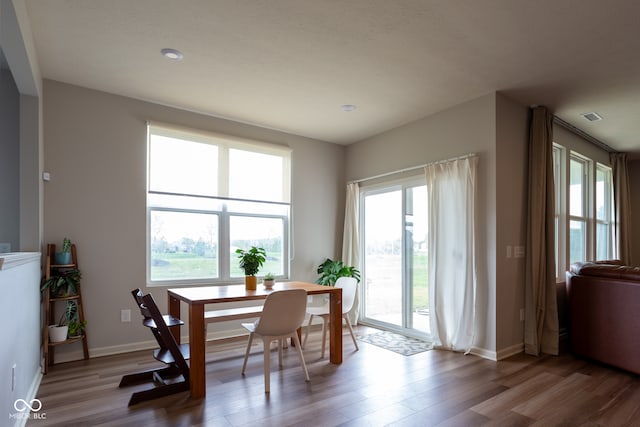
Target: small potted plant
[
  {"x": 268, "y": 281},
  {"x": 59, "y": 331},
  {"x": 65, "y": 283},
  {"x": 64, "y": 256},
  {"x": 250, "y": 262},
  {"x": 331, "y": 270},
  {"x": 76, "y": 327},
  {"x": 69, "y": 324}
]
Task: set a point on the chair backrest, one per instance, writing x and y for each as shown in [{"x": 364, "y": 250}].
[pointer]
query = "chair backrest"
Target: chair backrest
[
  {"x": 137, "y": 296},
  {"x": 163, "y": 335},
  {"x": 283, "y": 312},
  {"x": 349, "y": 286}
]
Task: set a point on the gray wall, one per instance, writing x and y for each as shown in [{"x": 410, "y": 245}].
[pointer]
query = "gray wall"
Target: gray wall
[
  {"x": 9, "y": 160},
  {"x": 466, "y": 128},
  {"x": 512, "y": 133},
  {"x": 95, "y": 151}
]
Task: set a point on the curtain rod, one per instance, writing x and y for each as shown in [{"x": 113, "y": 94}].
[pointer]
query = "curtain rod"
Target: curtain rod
[
  {"x": 382, "y": 175},
  {"x": 583, "y": 134}
]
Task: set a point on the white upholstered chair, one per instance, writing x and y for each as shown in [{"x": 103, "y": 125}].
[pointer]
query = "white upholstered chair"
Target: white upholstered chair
[
  {"x": 348, "y": 285},
  {"x": 282, "y": 315}
]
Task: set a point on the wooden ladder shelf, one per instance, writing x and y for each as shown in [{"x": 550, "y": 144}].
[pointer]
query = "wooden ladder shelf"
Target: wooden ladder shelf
[{"x": 52, "y": 301}]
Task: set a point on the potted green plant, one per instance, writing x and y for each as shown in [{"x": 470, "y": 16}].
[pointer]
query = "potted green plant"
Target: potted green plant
[
  {"x": 64, "y": 256},
  {"x": 331, "y": 270},
  {"x": 76, "y": 326},
  {"x": 59, "y": 331},
  {"x": 69, "y": 324},
  {"x": 64, "y": 283},
  {"x": 250, "y": 262},
  {"x": 268, "y": 280}
]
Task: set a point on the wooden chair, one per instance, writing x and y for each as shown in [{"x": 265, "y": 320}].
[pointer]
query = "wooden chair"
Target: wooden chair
[{"x": 173, "y": 378}]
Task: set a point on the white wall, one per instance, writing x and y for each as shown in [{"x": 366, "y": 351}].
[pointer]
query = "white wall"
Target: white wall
[
  {"x": 95, "y": 150},
  {"x": 20, "y": 317}
]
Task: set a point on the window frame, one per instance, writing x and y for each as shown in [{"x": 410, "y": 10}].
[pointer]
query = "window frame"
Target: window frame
[
  {"x": 222, "y": 199},
  {"x": 587, "y": 207},
  {"x": 609, "y": 203},
  {"x": 562, "y": 157}
]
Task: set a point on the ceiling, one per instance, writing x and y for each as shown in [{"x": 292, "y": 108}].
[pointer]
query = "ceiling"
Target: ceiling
[{"x": 290, "y": 64}]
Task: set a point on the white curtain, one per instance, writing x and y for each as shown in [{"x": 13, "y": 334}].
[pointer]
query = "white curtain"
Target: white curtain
[
  {"x": 351, "y": 239},
  {"x": 452, "y": 273}
]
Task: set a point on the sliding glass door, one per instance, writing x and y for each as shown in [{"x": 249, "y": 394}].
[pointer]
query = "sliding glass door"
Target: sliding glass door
[{"x": 395, "y": 292}]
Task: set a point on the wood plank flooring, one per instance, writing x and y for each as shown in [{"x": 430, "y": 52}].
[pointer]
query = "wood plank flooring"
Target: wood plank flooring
[{"x": 373, "y": 387}]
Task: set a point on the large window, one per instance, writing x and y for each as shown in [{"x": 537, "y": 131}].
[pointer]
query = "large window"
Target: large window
[
  {"x": 583, "y": 209},
  {"x": 208, "y": 195}
]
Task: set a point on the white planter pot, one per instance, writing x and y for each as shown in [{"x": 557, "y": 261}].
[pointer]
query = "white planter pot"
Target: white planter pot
[
  {"x": 268, "y": 284},
  {"x": 58, "y": 333}
]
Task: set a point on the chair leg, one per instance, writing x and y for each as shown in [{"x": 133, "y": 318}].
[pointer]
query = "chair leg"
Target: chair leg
[
  {"x": 325, "y": 321},
  {"x": 353, "y": 337},
  {"x": 306, "y": 334},
  {"x": 267, "y": 368},
  {"x": 301, "y": 356},
  {"x": 281, "y": 342},
  {"x": 246, "y": 354}
]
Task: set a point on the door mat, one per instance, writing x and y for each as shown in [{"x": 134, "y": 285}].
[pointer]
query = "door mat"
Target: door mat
[{"x": 395, "y": 342}]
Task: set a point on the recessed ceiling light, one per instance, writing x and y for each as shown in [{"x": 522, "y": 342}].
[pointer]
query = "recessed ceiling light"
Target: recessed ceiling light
[
  {"x": 173, "y": 54},
  {"x": 347, "y": 107},
  {"x": 592, "y": 116}
]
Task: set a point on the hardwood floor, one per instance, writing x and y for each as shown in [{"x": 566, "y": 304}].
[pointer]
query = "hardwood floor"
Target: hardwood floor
[{"x": 373, "y": 387}]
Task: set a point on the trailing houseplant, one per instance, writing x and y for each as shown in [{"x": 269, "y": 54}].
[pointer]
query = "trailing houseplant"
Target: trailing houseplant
[
  {"x": 250, "y": 262},
  {"x": 330, "y": 271},
  {"x": 64, "y": 283}
]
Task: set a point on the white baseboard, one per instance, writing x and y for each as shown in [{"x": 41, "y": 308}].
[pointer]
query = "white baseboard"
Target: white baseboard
[
  {"x": 484, "y": 353},
  {"x": 510, "y": 351},
  {"x": 500, "y": 354}
]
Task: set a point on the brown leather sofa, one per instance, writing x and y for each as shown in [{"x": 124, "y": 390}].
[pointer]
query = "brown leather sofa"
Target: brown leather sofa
[{"x": 604, "y": 313}]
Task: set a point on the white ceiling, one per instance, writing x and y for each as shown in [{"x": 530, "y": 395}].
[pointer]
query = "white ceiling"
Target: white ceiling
[{"x": 290, "y": 64}]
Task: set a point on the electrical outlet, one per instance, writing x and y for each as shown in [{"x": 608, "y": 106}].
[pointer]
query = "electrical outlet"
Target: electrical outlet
[{"x": 125, "y": 315}]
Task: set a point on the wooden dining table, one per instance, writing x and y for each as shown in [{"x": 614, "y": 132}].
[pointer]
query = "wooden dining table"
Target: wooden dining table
[{"x": 197, "y": 297}]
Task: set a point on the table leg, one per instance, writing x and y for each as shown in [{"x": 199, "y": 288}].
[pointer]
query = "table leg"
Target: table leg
[
  {"x": 174, "y": 310},
  {"x": 197, "y": 374},
  {"x": 335, "y": 326}
]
